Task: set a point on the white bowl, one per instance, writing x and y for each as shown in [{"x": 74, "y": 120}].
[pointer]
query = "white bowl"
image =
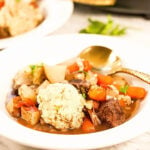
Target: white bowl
[
  {"x": 56, "y": 12},
  {"x": 58, "y": 48}
]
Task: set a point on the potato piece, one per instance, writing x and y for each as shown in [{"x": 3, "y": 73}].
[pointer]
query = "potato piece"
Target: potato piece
[
  {"x": 38, "y": 74},
  {"x": 26, "y": 92},
  {"x": 11, "y": 107},
  {"x": 31, "y": 116},
  {"x": 43, "y": 85},
  {"x": 55, "y": 73}
]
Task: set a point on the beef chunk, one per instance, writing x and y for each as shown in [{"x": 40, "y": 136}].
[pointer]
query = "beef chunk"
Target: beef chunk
[
  {"x": 12, "y": 107},
  {"x": 32, "y": 116},
  {"x": 81, "y": 85},
  {"x": 111, "y": 113}
]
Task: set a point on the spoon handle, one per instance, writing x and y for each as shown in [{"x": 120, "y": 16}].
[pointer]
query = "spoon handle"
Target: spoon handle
[{"x": 143, "y": 76}]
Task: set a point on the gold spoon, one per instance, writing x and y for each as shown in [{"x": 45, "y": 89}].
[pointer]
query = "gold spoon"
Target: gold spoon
[{"x": 104, "y": 60}]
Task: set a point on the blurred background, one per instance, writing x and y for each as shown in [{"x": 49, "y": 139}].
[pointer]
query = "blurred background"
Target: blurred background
[{"x": 138, "y": 7}]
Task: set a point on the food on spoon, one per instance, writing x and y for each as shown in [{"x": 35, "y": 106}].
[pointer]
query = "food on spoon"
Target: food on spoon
[
  {"x": 19, "y": 16},
  {"x": 72, "y": 98}
]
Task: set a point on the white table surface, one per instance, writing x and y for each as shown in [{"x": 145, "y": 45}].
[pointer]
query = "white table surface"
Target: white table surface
[{"x": 139, "y": 30}]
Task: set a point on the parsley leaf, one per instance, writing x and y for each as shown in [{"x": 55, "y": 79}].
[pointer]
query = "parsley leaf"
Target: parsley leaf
[
  {"x": 108, "y": 28},
  {"x": 93, "y": 27},
  {"x": 82, "y": 71},
  {"x": 34, "y": 67},
  {"x": 124, "y": 89},
  {"x": 84, "y": 95}
]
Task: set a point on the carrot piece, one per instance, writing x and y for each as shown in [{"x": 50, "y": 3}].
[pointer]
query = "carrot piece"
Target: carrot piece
[
  {"x": 97, "y": 93},
  {"x": 104, "y": 79},
  {"x": 34, "y": 4},
  {"x": 87, "y": 65},
  {"x": 136, "y": 92},
  {"x": 87, "y": 125},
  {"x": 73, "y": 67}
]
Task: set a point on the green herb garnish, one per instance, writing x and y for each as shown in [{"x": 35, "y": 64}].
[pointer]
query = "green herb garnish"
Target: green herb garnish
[
  {"x": 108, "y": 28},
  {"x": 124, "y": 89},
  {"x": 82, "y": 71},
  {"x": 33, "y": 67},
  {"x": 84, "y": 95}
]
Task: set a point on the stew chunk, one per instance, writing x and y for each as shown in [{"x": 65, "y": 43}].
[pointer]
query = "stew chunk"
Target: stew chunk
[
  {"x": 111, "y": 113},
  {"x": 61, "y": 106}
]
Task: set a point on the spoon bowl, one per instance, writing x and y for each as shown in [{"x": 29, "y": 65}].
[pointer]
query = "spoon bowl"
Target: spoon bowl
[{"x": 104, "y": 60}]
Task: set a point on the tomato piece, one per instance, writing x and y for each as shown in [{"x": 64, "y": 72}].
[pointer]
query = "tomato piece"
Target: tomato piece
[
  {"x": 2, "y": 3},
  {"x": 27, "y": 103}
]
